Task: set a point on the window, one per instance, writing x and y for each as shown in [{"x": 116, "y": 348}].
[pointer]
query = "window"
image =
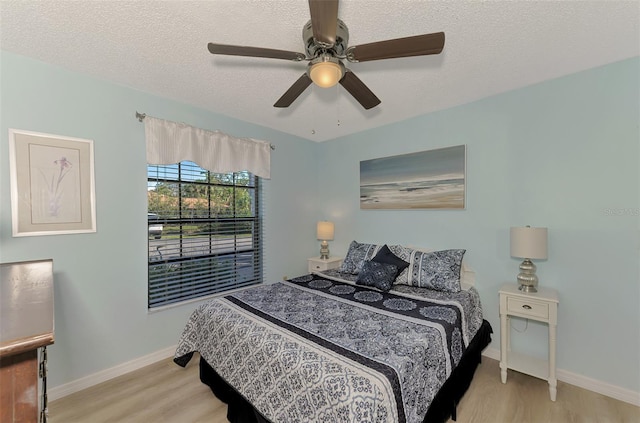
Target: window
[{"x": 204, "y": 232}]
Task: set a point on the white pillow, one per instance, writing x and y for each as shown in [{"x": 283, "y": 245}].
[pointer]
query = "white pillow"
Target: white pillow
[{"x": 467, "y": 275}]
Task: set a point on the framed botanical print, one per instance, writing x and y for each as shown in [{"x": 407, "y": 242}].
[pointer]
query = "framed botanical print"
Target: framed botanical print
[{"x": 52, "y": 184}]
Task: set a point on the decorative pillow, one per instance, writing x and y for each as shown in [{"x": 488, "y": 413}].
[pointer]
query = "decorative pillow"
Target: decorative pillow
[
  {"x": 356, "y": 256},
  {"x": 378, "y": 275},
  {"x": 467, "y": 275},
  {"x": 437, "y": 270},
  {"x": 385, "y": 255},
  {"x": 405, "y": 254}
]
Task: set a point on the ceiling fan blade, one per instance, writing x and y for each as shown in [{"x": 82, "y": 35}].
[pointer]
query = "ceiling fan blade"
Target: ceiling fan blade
[
  {"x": 418, "y": 45},
  {"x": 324, "y": 21},
  {"x": 269, "y": 53},
  {"x": 294, "y": 91},
  {"x": 359, "y": 91}
]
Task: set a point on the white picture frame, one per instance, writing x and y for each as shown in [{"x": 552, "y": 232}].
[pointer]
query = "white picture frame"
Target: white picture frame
[{"x": 52, "y": 184}]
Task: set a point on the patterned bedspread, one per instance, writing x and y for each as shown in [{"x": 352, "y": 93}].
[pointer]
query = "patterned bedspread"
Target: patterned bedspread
[{"x": 322, "y": 349}]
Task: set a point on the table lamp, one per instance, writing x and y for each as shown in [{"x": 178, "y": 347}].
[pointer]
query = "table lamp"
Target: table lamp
[
  {"x": 324, "y": 234},
  {"x": 528, "y": 243}
]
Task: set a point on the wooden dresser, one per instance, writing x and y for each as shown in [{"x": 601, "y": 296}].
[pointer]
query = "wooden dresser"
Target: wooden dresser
[{"x": 26, "y": 324}]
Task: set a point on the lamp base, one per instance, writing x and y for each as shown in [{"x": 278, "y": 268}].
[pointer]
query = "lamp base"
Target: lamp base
[
  {"x": 324, "y": 250},
  {"x": 527, "y": 278},
  {"x": 527, "y": 288}
]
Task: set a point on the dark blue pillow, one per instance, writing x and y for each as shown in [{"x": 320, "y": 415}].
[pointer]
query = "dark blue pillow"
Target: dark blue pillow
[
  {"x": 378, "y": 275},
  {"x": 385, "y": 255}
]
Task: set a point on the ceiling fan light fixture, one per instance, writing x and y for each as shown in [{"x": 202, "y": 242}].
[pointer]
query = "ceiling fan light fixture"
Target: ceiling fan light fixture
[{"x": 326, "y": 71}]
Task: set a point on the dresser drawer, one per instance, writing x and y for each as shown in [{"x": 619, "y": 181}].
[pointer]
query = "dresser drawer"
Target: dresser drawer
[{"x": 525, "y": 307}]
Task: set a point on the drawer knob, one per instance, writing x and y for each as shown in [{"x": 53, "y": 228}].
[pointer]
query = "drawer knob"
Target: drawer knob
[{"x": 526, "y": 307}]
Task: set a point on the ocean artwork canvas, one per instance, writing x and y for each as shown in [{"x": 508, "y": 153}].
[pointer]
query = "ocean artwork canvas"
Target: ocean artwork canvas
[{"x": 432, "y": 179}]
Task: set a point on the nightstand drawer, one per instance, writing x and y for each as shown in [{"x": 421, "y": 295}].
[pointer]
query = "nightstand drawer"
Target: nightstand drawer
[
  {"x": 528, "y": 308},
  {"x": 319, "y": 265}
]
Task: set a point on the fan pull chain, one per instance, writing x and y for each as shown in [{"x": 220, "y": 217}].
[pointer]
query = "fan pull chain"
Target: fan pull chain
[
  {"x": 314, "y": 114},
  {"x": 338, "y": 101}
]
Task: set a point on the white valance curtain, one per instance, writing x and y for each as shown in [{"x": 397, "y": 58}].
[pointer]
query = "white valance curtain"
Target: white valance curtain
[{"x": 171, "y": 142}]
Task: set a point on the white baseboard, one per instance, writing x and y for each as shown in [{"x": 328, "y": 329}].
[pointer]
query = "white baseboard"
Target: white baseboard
[
  {"x": 584, "y": 382},
  {"x": 107, "y": 374},
  {"x": 491, "y": 353}
]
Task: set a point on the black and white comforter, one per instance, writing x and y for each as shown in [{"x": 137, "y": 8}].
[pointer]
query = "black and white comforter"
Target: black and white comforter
[{"x": 322, "y": 349}]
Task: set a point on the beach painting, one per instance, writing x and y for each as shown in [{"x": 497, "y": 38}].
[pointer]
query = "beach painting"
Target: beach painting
[{"x": 433, "y": 179}]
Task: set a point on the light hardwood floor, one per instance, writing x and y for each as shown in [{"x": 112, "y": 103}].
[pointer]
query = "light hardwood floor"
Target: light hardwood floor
[{"x": 164, "y": 392}]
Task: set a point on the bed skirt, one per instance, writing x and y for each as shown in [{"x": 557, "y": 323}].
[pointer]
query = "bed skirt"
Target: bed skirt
[{"x": 442, "y": 407}]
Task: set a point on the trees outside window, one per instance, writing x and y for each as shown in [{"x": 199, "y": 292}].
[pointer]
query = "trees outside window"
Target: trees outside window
[{"x": 211, "y": 232}]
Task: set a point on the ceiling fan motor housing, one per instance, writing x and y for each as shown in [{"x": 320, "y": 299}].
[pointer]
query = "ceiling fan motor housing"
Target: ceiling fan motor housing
[{"x": 313, "y": 49}]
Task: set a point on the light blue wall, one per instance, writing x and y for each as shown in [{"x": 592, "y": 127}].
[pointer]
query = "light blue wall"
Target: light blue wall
[
  {"x": 562, "y": 154},
  {"x": 101, "y": 319}
]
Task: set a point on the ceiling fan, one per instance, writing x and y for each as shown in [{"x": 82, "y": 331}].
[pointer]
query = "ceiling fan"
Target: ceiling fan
[{"x": 326, "y": 38}]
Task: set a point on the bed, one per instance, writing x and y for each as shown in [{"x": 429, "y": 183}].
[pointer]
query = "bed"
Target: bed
[{"x": 341, "y": 346}]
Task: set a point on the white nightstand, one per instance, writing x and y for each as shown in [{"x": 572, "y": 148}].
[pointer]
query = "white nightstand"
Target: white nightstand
[
  {"x": 541, "y": 306},
  {"x": 316, "y": 264}
]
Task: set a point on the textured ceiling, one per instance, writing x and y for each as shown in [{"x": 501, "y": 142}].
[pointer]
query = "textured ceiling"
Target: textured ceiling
[{"x": 161, "y": 48}]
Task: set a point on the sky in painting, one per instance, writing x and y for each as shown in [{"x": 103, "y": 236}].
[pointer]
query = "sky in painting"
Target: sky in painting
[{"x": 433, "y": 164}]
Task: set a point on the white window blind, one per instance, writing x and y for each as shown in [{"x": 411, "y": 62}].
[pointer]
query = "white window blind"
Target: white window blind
[{"x": 205, "y": 232}]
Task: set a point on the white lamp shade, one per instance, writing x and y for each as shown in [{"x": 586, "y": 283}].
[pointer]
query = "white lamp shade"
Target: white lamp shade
[
  {"x": 529, "y": 243},
  {"x": 325, "y": 231}
]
